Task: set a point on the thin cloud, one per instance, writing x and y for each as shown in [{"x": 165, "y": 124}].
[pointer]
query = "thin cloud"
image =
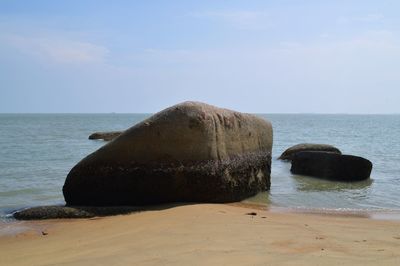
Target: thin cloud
[
  {"x": 244, "y": 20},
  {"x": 59, "y": 50},
  {"x": 364, "y": 19}
]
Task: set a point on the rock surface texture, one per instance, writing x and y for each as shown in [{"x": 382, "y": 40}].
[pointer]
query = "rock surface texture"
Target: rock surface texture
[
  {"x": 190, "y": 152},
  {"x": 107, "y": 136},
  {"x": 331, "y": 166},
  {"x": 288, "y": 154}
]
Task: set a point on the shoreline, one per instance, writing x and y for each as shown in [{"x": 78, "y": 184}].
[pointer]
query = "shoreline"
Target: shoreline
[
  {"x": 206, "y": 234},
  {"x": 378, "y": 214},
  {"x": 384, "y": 214}
]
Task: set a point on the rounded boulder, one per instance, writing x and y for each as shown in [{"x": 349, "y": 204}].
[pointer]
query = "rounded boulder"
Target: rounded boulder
[{"x": 288, "y": 154}]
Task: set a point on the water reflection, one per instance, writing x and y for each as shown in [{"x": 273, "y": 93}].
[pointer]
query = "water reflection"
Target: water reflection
[{"x": 308, "y": 184}]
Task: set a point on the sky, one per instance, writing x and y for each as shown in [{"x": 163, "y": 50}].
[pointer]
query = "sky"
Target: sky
[{"x": 81, "y": 56}]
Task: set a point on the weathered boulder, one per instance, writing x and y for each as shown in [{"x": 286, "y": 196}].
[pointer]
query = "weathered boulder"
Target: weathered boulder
[
  {"x": 107, "y": 136},
  {"x": 331, "y": 166},
  {"x": 190, "y": 152},
  {"x": 288, "y": 154}
]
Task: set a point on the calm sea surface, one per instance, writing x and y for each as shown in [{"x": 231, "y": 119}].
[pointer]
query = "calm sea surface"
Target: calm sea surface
[{"x": 38, "y": 150}]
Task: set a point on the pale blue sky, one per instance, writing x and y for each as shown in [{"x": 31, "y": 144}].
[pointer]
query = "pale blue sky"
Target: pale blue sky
[{"x": 252, "y": 56}]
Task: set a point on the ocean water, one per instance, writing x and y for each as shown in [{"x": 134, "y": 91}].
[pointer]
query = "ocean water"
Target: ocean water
[{"x": 38, "y": 150}]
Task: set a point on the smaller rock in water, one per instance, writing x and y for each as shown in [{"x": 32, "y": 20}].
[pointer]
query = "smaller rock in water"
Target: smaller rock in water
[
  {"x": 331, "y": 166},
  {"x": 288, "y": 154},
  {"x": 63, "y": 212},
  {"x": 106, "y": 136}
]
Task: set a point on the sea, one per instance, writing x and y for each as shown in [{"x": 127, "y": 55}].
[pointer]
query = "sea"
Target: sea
[{"x": 38, "y": 150}]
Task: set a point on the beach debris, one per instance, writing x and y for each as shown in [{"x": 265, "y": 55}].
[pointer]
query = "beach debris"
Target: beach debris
[
  {"x": 331, "y": 166},
  {"x": 190, "y": 152},
  {"x": 288, "y": 154}
]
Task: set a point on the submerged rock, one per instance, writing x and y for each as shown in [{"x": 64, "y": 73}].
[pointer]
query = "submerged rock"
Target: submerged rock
[
  {"x": 190, "y": 152},
  {"x": 58, "y": 212},
  {"x": 288, "y": 154},
  {"x": 107, "y": 136},
  {"x": 331, "y": 166}
]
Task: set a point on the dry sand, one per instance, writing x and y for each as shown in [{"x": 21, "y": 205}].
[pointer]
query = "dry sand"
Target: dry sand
[{"x": 206, "y": 234}]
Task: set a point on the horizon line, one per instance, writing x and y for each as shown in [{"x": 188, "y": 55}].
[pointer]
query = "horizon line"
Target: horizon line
[{"x": 150, "y": 113}]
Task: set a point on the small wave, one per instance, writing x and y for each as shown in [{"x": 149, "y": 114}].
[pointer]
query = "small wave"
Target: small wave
[{"x": 379, "y": 214}]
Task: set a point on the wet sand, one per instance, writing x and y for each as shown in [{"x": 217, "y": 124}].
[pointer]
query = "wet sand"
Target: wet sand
[{"x": 206, "y": 234}]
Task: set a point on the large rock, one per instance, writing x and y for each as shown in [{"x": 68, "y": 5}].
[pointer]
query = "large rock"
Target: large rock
[
  {"x": 331, "y": 166},
  {"x": 107, "y": 136},
  {"x": 288, "y": 154},
  {"x": 190, "y": 152}
]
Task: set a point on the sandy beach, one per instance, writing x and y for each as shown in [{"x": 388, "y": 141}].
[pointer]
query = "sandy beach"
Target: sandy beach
[{"x": 206, "y": 234}]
